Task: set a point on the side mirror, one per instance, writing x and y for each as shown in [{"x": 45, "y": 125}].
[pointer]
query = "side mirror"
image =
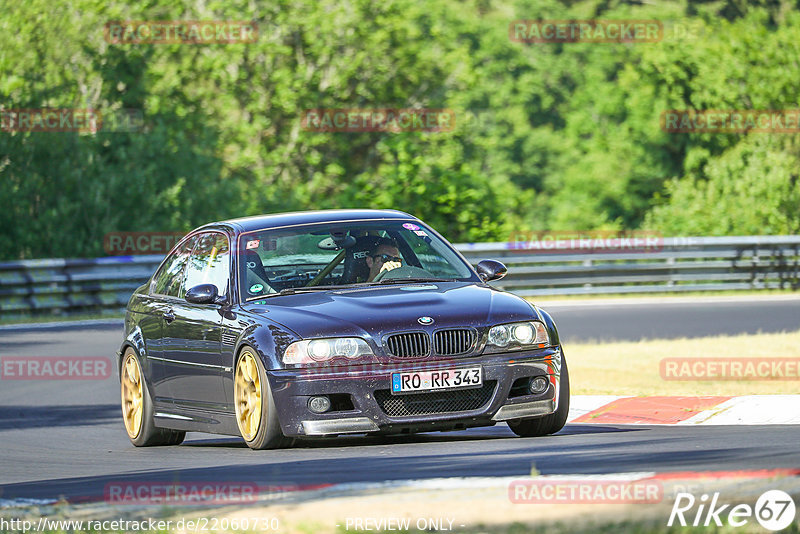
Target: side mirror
[
  {"x": 202, "y": 294},
  {"x": 490, "y": 270}
]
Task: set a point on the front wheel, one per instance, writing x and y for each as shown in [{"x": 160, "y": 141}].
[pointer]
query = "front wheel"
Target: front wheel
[
  {"x": 548, "y": 424},
  {"x": 256, "y": 415},
  {"x": 137, "y": 407}
]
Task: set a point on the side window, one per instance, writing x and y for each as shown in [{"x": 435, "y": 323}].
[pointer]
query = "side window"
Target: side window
[
  {"x": 210, "y": 262},
  {"x": 169, "y": 279}
]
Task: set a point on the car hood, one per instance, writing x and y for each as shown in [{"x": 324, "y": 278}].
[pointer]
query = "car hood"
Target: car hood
[{"x": 379, "y": 310}]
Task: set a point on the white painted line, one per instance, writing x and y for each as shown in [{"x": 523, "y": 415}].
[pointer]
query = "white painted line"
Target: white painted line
[
  {"x": 15, "y": 503},
  {"x": 752, "y": 410},
  {"x": 666, "y": 300},
  {"x": 64, "y": 324},
  {"x": 470, "y": 482},
  {"x": 742, "y": 410}
]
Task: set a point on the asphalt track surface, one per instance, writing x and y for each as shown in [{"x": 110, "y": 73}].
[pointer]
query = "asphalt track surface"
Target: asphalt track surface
[{"x": 66, "y": 438}]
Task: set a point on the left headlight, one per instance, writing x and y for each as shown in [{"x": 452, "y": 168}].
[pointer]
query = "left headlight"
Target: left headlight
[
  {"x": 517, "y": 336},
  {"x": 322, "y": 350}
]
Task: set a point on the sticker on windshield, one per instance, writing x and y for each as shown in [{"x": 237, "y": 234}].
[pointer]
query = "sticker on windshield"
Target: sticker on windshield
[
  {"x": 253, "y": 243},
  {"x": 410, "y": 226},
  {"x": 420, "y": 233},
  {"x": 256, "y": 288}
]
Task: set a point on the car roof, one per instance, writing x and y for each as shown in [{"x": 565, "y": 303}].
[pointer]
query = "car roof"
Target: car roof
[{"x": 257, "y": 222}]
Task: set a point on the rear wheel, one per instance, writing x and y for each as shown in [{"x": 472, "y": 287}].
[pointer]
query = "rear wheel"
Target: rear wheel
[
  {"x": 548, "y": 424},
  {"x": 137, "y": 407},
  {"x": 256, "y": 415}
]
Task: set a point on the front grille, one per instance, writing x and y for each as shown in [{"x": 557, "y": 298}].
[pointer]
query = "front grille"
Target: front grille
[
  {"x": 453, "y": 342},
  {"x": 409, "y": 345},
  {"x": 460, "y": 400}
]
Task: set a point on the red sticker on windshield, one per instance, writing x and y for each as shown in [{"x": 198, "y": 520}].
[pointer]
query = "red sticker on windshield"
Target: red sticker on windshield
[{"x": 253, "y": 244}]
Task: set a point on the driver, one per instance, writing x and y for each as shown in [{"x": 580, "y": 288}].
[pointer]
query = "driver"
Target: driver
[{"x": 385, "y": 256}]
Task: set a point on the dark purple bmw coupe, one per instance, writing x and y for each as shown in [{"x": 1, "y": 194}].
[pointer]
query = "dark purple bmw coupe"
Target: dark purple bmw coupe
[{"x": 332, "y": 322}]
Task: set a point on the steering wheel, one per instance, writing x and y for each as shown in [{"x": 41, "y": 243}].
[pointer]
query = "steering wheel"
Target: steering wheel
[{"x": 406, "y": 271}]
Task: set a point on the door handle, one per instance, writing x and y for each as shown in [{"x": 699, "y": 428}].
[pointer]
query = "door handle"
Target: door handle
[{"x": 169, "y": 316}]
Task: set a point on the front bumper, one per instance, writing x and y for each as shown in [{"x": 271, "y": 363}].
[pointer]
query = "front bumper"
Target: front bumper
[{"x": 292, "y": 388}]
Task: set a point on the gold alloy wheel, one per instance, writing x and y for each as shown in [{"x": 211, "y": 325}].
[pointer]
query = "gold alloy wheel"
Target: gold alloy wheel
[
  {"x": 132, "y": 399},
  {"x": 247, "y": 395}
]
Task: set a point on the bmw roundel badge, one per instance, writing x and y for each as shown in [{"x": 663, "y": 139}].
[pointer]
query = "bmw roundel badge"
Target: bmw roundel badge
[{"x": 425, "y": 320}]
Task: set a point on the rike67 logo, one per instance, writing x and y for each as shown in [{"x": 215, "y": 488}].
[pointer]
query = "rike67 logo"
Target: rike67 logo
[{"x": 774, "y": 510}]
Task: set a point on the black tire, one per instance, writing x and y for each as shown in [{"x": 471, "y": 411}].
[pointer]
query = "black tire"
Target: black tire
[
  {"x": 142, "y": 431},
  {"x": 176, "y": 437},
  {"x": 269, "y": 434},
  {"x": 548, "y": 424}
]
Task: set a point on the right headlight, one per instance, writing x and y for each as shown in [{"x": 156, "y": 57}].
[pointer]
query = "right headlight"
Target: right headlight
[
  {"x": 517, "y": 336},
  {"x": 311, "y": 351}
]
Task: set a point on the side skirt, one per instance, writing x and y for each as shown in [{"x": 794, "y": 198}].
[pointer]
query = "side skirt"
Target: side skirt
[{"x": 189, "y": 420}]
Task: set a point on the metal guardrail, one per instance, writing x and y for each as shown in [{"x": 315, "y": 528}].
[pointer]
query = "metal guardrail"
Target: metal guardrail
[
  {"x": 677, "y": 264},
  {"x": 57, "y": 286},
  {"x": 103, "y": 285}
]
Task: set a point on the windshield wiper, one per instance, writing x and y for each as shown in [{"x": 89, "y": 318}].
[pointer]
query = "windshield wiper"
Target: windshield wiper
[
  {"x": 388, "y": 281},
  {"x": 411, "y": 280},
  {"x": 303, "y": 289},
  {"x": 290, "y": 290}
]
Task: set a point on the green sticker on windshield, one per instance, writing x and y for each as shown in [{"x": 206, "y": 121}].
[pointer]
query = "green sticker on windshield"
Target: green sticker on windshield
[{"x": 256, "y": 288}]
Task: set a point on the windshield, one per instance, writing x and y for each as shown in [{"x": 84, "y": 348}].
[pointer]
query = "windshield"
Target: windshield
[{"x": 323, "y": 256}]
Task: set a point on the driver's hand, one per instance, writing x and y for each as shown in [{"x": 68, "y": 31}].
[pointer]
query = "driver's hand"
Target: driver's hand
[{"x": 390, "y": 265}]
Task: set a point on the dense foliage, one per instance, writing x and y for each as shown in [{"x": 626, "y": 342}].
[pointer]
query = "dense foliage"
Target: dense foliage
[{"x": 548, "y": 136}]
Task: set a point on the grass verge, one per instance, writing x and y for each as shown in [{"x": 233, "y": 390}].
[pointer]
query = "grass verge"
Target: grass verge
[
  {"x": 632, "y": 368},
  {"x": 544, "y": 299}
]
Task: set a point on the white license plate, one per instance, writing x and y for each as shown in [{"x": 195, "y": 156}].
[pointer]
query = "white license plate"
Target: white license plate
[{"x": 436, "y": 380}]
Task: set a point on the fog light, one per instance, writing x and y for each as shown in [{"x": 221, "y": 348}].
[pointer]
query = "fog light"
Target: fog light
[
  {"x": 538, "y": 385},
  {"x": 319, "y": 404}
]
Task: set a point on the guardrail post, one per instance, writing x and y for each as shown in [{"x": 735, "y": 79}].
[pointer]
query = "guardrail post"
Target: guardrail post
[
  {"x": 789, "y": 270},
  {"x": 587, "y": 263},
  {"x": 795, "y": 282}
]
